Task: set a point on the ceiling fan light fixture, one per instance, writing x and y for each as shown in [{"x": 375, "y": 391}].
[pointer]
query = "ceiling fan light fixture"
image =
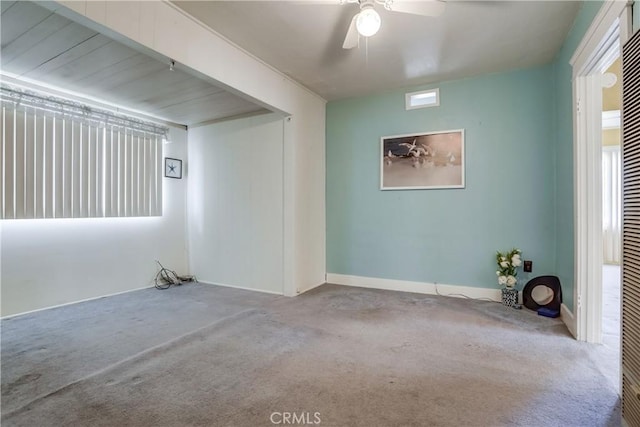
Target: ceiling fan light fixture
[{"x": 368, "y": 22}]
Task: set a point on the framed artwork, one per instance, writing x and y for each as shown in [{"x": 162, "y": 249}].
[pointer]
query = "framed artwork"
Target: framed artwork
[
  {"x": 422, "y": 161},
  {"x": 172, "y": 168}
]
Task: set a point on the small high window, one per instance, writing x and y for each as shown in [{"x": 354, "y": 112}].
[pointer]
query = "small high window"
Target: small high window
[{"x": 422, "y": 99}]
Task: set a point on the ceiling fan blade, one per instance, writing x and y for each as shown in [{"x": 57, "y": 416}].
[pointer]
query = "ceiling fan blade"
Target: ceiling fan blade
[
  {"x": 351, "y": 40},
  {"x": 419, "y": 7}
]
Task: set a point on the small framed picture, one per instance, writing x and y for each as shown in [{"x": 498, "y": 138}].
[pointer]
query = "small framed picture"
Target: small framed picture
[{"x": 172, "y": 168}]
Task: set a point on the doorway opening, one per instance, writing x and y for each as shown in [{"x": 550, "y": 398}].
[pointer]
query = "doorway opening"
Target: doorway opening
[
  {"x": 611, "y": 218},
  {"x": 598, "y": 51}
]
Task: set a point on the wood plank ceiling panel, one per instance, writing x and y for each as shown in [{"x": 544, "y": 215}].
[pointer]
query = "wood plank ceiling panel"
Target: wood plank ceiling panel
[
  {"x": 177, "y": 90},
  {"x": 190, "y": 94},
  {"x": 159, "y": 81},
  {"x": 133, "y": 72},
  {"x": 62, "y": 64},
  {"x": 28, "y": 39},
  {"x": 122, "y": 60},
  {"x": 45, "y": 50},
  {"x": 214, "y": 106},
  {"x": 5, "y": 5},
  {"x": 42, "y": 46},
  {"x": 19, "y": 17}
]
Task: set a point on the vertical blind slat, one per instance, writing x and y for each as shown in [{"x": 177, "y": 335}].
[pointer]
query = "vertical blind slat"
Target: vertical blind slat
[
  {"x": 133, "y": 170},
  {"x": 9, "y": 160},
  {"x": 99, "y": 176},
  {"x": 85, "y": 172},
  {"x": 40, "y": 144},
  {"x": 68, "y": 166},
  {"x": 115, "y": 173},
  {"x": 76, "y": 169},
  {"x": 128, "y": 174},
  {"x": 611, "y": 204},
  {"x": 92, "y": 199},
  {"x": 158, "y": 165},
  {"x": 122, "y": 155},
  {"x": 148, "y": 176},
  {"x": 58, "y": 186},
  {"x": 141, "y": 172},
  {"x": 29, "y": 142},
  {"x": 108, "y": 176},
  {"x": 20, "y": 129},
  {"x": 89, "y": 171},
  {"x": 49, "y": 167}
]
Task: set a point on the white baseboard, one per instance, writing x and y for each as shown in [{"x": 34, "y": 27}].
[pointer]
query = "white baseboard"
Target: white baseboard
[
  {"x": 569, "y": 319},
  {"x": 74, "y": 302},
  {"x": 416, "y": 287},
  {"x": 205, "y": 282}
]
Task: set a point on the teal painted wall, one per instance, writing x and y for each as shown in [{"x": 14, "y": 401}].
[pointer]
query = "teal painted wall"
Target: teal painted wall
[
  {"x": 445, "y": 236},
  {"x": 563, "y": 131},
  {"x": 519, "y": 152}
]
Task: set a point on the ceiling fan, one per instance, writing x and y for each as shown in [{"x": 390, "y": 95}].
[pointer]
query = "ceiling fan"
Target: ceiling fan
[{"x": 367, "y": 21}]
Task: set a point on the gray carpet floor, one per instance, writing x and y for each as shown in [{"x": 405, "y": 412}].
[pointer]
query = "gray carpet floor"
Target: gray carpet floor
[
  {"x": 611, "y": 324},
  {"x": 200, "y": 355}
]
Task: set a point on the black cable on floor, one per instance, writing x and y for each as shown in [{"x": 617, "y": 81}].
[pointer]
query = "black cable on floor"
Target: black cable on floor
[{"x": 165, "y": 278}]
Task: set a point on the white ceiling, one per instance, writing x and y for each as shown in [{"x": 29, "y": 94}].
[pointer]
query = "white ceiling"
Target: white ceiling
[
  {"x": 304, "y": 40},
  {"x": 45, "y": 47}
]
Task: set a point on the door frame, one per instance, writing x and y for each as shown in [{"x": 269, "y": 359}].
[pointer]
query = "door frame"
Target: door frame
[{"x": 602, "y": 41}]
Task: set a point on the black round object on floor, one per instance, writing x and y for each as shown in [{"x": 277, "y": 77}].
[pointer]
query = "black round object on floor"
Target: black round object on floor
[{"x": 552, "y": 301}]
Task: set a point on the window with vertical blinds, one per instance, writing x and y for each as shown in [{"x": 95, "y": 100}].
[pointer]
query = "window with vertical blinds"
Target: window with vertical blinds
[
  {"x": 611, "y": 204},
  {"x": 64, "y": 160}
]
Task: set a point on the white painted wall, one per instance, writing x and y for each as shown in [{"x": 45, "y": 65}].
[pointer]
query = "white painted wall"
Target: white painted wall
[
  {"x": 56, "y": 261},
  {"x": 164, "y": 30},
  {"x": 235, "y": 203},
  {"x": 306, "y": 174}
]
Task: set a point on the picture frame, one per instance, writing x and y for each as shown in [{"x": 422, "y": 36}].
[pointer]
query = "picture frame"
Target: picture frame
[
  {"x": 423, "y": 161},
  {"x": 172, "y": 168}
]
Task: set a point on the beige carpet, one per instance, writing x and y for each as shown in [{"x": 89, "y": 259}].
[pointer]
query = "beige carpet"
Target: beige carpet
[{"x": 201, "y": 355}]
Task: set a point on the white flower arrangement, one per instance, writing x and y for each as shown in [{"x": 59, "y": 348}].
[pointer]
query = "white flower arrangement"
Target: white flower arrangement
[{"x": 508, "y": 264}]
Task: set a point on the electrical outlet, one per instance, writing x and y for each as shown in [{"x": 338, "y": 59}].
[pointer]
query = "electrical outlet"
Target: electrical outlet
[{"x": 528, "y": 266}]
